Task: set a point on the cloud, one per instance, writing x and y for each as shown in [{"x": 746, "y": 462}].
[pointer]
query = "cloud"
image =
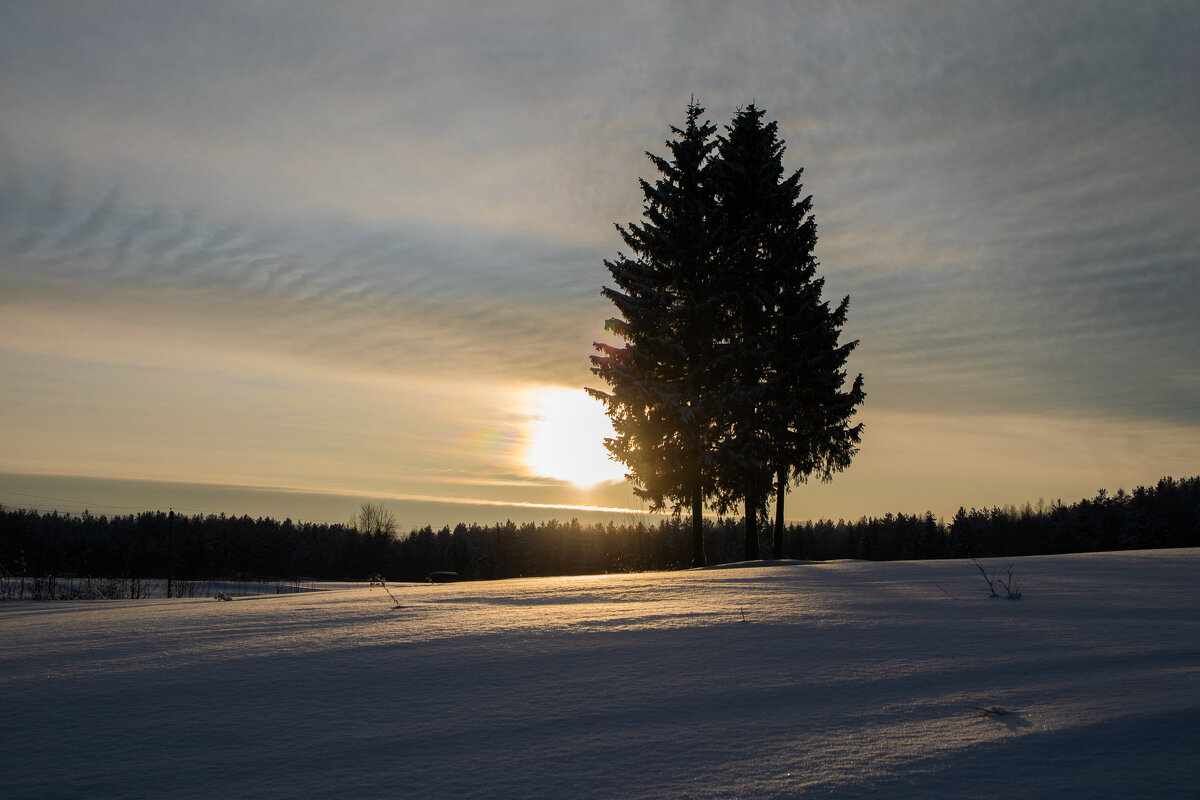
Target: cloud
[
  {"x": 1064, "y": 267},
  {"x": 497, "y": 117},
  {"x": 407, "y": 299},
  {"x": 1005, "y": 190}
]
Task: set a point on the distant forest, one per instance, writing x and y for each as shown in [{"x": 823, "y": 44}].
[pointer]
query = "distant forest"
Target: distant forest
[{"x": 158, "y": 544}]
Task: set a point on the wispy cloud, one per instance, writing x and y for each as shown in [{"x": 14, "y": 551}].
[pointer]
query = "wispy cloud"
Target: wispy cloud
[{"x": 403, "y": 299}]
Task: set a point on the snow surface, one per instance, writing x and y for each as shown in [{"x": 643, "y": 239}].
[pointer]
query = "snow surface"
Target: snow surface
[{"x": 771, "y": 679}]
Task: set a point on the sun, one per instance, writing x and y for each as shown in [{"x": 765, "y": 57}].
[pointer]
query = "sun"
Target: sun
[{"x": 565, "y": 438}]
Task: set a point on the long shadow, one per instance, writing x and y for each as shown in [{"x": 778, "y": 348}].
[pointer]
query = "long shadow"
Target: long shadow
[{"x": 1151, "y": 755}]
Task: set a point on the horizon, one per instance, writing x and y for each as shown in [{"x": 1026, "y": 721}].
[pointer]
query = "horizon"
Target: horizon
[{"x": 358, "y": 252}]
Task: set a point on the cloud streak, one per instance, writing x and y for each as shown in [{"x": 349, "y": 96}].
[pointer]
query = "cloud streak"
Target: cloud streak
[{"x": 392, "y": 300}]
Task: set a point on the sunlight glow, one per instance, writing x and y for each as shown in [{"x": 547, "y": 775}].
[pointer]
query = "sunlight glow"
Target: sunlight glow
[{"x": 565, "y": 438}]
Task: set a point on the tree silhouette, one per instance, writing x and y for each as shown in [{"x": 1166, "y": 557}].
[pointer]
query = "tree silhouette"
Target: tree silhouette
[
  {"x": 785, "y": 413},
  {"x": 660, "y": 397},
  {"x": 730, "y": 381}
]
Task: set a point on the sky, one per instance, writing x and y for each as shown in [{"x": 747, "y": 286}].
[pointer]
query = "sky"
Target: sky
[{"x": 356, "y": 250}]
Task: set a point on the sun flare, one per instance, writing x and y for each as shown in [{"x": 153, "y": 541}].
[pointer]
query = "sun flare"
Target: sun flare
[{"x": 565, "y": 439}]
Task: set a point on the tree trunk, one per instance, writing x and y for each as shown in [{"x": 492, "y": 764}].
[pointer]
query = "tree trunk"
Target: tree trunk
[
  {"x": 698, "y": 557},
  {"x": 751, "y": 527},
  {"x": 777, "y": 537},
  {"x": 170, "y": 553}
]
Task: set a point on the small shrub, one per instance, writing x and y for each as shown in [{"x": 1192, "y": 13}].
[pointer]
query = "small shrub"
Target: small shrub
[{"x": 1009, "y": 584}]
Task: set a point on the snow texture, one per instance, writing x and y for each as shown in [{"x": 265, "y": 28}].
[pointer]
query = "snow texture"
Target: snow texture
[{"x": 765, "y": 680}]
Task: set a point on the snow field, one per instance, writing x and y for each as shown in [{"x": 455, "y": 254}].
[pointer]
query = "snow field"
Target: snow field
[{"x": 771, "y": 679}]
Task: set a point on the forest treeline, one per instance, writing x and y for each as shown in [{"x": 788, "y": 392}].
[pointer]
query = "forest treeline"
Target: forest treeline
[{"x": 161, "y": 544}]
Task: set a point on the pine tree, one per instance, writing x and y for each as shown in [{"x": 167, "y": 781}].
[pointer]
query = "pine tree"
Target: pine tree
[
  {"x": 747, "y": 172},
  {"x": 783, "y": 410},
  {"x": 660, "y": 397},
  {"x": 811, "y": 428}
]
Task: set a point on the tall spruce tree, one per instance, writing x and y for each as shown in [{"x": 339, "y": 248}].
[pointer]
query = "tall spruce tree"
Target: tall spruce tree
[
  {"x": 784, "y": 414},
  {"x": 747, "y": 173},
  {"x": 660, "y": 397},
  {"x": 812, "y": 410}
]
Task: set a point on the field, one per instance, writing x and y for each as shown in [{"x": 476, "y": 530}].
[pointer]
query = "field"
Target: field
[{"x": 765, "y": 680}]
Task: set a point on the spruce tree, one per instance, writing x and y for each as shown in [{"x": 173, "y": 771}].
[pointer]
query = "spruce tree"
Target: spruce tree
[
  {"x": 783, "y": 412},
  {"x": 660, "y": 397},
  {"x": 812, "y": 410},
  {"x": 747, "y": 172}
]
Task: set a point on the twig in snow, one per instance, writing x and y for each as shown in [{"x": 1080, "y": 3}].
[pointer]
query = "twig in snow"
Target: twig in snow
[
  {"x": 991, "y": 582},
  {"x": 1010, "y": 586},
  {"x": 379, "y": 579},
  {"x": 990, "y": 711}
]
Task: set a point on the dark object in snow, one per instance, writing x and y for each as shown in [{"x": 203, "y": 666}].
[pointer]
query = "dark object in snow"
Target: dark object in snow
[
  {"x": 1010, "y": 586},
  {"x": 990, "y": 711},
  {"x": 443, "y": 577},
  {"x": 377, "y": 580},
  {"x": 221, "y": 596}
]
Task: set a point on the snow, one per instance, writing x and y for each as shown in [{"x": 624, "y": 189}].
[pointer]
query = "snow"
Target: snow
[{"x": 772, "y": 679}]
